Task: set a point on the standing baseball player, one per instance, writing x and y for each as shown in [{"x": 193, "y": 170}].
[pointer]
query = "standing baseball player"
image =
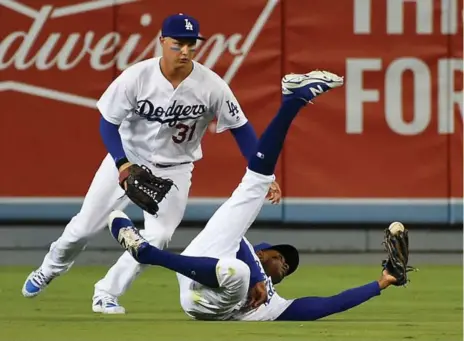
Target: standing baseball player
[
  {"x": 153, "y": 117},
  {"x": 221, "y": 275}
]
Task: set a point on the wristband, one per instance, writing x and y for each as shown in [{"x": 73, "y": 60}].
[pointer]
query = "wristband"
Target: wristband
[{"x": 121, "y": 161}]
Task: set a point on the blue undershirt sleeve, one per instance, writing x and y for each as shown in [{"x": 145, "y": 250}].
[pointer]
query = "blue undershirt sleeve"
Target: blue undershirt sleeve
[
  {"x": 112, "y": 139},
  {"x": 245, "y": 255},
  {"x": 246, "y": 139},
  {"x": 314, "y": 308}
]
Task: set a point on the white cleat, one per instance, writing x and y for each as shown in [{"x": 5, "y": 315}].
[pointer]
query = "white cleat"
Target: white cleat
[
  {"x": 107, "y": 304},
  {"x": 35, "y": 283},
  {"x": 309, "y": 85},
  {"x": 123, "y": 230}
]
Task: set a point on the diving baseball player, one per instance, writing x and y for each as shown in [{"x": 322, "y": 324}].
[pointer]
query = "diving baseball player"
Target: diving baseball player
[
  {"x": 153, "y": 118},
  {"x": 221, "y": 275}
]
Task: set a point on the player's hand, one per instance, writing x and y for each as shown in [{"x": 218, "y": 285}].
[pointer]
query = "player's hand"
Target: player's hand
[
  {"x": 258, "y": 295},
  {"x": 275, "y": 194},
  {"x": 386, "y": 280},
  {"x": 122, "y": 168}
]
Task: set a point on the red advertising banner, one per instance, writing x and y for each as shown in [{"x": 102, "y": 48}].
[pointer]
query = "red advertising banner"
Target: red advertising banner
[
  {"x": 394, "y": 131},
  {"x": 57, "y": 57}
]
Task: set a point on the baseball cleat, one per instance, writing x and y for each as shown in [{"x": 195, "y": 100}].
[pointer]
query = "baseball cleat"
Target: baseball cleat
[
  {"x": 107, "y": 304},
  {"x": 124, "y": 231},
  {"x": 310, "y": 85},
  {"x": 35, "y": 283}
]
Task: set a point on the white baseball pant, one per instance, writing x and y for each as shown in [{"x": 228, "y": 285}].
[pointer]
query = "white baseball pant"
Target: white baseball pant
[
  {"x": 221, "y": 239},
  {"x": 104, "y": 196}
]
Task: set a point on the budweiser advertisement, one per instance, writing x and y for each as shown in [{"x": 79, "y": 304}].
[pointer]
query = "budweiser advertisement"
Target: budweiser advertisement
[{"x": 389, "y": 145}]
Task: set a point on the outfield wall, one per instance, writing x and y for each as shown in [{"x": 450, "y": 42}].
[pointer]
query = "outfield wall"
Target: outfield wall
[
  {"x": 27, "y": 244},
  {"x": 388, "y": 146}
]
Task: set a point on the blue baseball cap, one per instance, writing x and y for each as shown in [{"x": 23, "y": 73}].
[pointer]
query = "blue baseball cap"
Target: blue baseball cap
[
  {"x": 290, "y": 253},
  {"x": 181, "y": 26}
]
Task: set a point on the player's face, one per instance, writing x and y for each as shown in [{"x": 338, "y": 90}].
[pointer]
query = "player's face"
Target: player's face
[
  {"x": 178, "y": 52},
  {"x": 274, "y": 264}
]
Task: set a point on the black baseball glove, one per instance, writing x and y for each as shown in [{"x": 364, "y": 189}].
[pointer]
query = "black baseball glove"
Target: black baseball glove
[
  {"x": 397, "y": 247},
  {"x": 143, "y": 188}
]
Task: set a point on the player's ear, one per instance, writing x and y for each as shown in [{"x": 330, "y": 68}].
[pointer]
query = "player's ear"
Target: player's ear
[{"x": 261, "y": 255}]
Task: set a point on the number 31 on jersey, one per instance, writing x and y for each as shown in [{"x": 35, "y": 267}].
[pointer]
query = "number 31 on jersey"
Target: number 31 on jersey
[{"x": 184, "y": 132}]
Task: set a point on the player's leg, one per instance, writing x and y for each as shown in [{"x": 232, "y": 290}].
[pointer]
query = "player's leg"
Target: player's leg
[
  {"x": 201, "y": 269},
  {"x": 221, "y": 237},
  {"x": 103, "y": 196},
  {"x": 158, "y": 232},
  {"x": 204, "y": 303},
  {"x": 232, "y": 219},
  {"x": 227, "y": 277},
  {"x": 314, "y": 308},
  {"x": 225, "y": 230}
]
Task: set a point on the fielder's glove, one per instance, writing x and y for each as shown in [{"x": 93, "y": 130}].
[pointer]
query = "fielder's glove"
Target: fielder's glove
[
  {"x": 143, "y": 188},
  {"x": 397, "y": 247}
]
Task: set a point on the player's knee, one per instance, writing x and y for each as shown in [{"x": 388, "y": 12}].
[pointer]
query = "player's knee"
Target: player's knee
[
  {"x": 83, "y": 227},
  {"x": 232, "y": 272},
  {"x": 65, "y": 251},
  {"x": 159, "y": 239}
]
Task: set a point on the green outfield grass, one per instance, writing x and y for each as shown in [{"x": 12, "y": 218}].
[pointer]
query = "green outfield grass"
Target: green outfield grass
[{"x": 429, "y": 309}]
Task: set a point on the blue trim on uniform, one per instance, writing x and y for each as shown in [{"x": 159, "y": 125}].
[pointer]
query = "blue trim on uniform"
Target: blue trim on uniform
[
  {"x": 246, "y": 138},
  {"x": 245, "y": 255},
  {"x": 443, "y": 213},
  {"x": 314, "y": 308},
  {"x": 109, "y": 133}
]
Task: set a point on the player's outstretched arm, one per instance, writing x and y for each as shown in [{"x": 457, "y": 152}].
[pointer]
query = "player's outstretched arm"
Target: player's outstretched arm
[
  {"x": 314, "y": 308},
  {"x": 395, "y": 269}
]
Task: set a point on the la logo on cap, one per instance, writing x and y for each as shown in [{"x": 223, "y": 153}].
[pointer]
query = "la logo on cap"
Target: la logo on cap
[{"x": 188, "y": 25}]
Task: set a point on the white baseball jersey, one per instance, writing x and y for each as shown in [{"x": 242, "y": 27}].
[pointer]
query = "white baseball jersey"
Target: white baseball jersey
[{"x": 160, "y": 124}]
